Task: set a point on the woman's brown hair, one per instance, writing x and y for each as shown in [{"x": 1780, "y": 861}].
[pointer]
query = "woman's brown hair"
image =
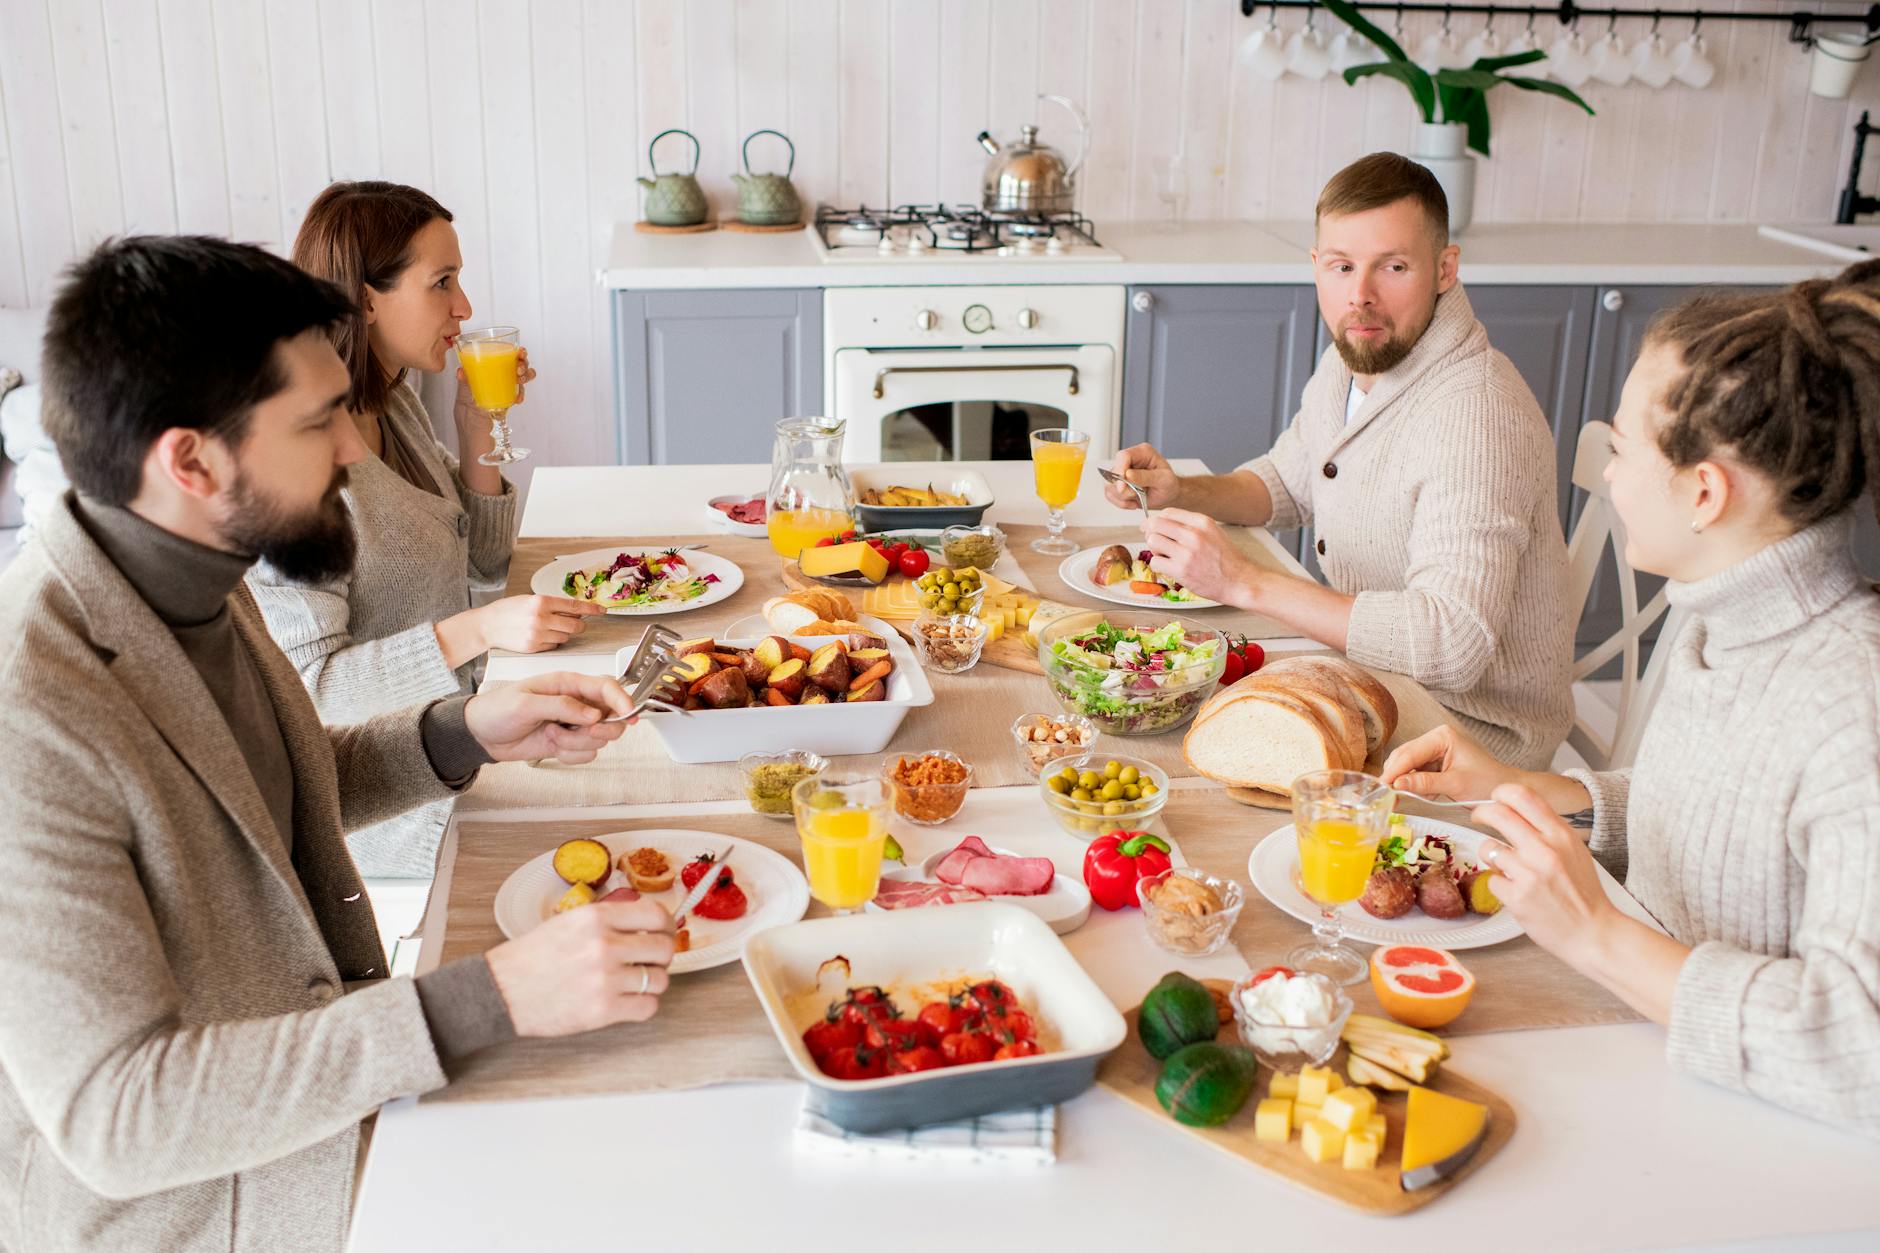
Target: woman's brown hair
[
  {"x": 358, "y": 235},
  {"x": 1789, "y": 382}
]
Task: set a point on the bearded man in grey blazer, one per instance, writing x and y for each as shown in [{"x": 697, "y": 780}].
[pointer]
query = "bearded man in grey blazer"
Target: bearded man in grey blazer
[{"x": 197, "y": 1014}]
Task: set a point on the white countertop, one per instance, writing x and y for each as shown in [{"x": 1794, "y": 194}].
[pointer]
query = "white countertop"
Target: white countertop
[
  {"x": 1613, "y": 1150},
  {"x": 1229, "y": 252}
]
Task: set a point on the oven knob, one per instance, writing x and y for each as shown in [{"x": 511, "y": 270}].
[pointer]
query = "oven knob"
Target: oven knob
[
  {"x": 977, "y": 319},
  {"x": 926, "y": 319},
  {"x": 1027, "y": 318}
]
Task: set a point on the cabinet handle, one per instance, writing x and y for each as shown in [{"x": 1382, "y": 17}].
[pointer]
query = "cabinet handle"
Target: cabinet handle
[
  {"x": 1613, "y": 300},
  {"x": 881, "y": 375},
  {"x": 1142, "y": 302}
]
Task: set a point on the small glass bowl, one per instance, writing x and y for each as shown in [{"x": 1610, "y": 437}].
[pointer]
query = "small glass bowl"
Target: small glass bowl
[
  {"x": 1289, "y": 1048},
  {"x": 1187, "y": 934},
  {"x": 928, "y": 804},
  {"x": 1086, "y": 820},
  {"x": 949, "y": 643},
  {"x": 1080, "y": 738},
  {"x": 954, "y": 537},
  {"x": 747, "y": 769}
]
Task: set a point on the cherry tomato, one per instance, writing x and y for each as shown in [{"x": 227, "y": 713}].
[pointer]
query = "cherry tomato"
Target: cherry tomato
[
  {"x": 1015, "y": 1023},
  {"x": 896, "y": 1035},
  {"x": 925, "y": 1057},
  {"x": 913, "y": 562},
  {"x": 863, "y": 1006},
  {"x": 1269, "y": 972},
  {"x": 695, "y": 869},
  {"x": 723, "y": 902},
  {"x": 963, "y": 1048},
  {"x": 825, "y": 1037},
  {"x": 856, "y": 1063},
  {"x": 1233, "y": 668},
  {"x": 827, "y": 541},
  {"x": 1017, "y": 1048},
  {"x": 1255, "y": 655},
  {"x": 942, "y": 1018},
  {"x": 989, "y": 997},
  {"x": 848, "y": 536}
]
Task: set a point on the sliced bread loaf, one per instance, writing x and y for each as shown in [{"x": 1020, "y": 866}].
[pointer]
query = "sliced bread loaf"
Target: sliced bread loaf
[
  {"x": 1261, "y": 739},
  {"x": 1372, "y": 699}
]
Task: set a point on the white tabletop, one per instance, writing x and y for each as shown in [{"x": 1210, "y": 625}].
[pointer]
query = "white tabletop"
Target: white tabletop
[{"x": 1613, "y": 1150}]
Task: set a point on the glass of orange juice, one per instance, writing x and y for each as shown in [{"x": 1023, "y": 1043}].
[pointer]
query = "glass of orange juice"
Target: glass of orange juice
[
  {"x": 844, "y": 826},
  {"x": 1057, "y": 464},
  {"x": 492, "y": 367},
  {"x": 1339, "y": 817}
]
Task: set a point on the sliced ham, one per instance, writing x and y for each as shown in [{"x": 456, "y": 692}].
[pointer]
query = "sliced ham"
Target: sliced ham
[
  {"x": 952, "y": 867},
  {"x": 903, "y": 894},
  {"x": 976, "y": 866}
]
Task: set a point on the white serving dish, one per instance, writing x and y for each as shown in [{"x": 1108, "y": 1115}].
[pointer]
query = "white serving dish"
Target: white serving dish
[
  {"x": 906, "y": 949},
  {"x": 722, "y": 521},
  {"x": 1064, "y": 908},
  {"x": 840, "y": 730}
]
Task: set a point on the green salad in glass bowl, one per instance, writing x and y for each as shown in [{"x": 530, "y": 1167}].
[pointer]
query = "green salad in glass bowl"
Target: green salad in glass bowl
[{"x": 1133, "y": 674}]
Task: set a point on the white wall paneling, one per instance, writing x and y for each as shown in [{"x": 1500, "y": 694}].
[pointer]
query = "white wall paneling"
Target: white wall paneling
[{"x": 530, "y": 119}]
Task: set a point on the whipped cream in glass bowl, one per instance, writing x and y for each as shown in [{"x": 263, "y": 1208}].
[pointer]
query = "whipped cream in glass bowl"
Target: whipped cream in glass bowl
[{"x": 1290, "y": 1020}]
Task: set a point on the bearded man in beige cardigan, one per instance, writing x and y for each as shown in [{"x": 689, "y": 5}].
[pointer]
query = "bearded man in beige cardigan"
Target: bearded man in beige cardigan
[
  {"x": 196, "y": 1010},
  {"x": 1424, "y": 464}
]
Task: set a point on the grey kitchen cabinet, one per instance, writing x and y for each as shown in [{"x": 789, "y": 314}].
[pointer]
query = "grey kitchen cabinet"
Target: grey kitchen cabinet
[
  {"x": 704, "y": 376},
  {"x": 1215, "y": 372}
]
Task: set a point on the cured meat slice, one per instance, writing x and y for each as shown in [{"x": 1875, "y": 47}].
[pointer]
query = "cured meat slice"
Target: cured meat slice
[
  {"x": 952, "y": 867},
  {"x": 1010, "y": 876},
  {"x": 906, "y": 894}
]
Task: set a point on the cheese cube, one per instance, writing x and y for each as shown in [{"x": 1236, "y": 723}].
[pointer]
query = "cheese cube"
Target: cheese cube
[
  {"x": 1377, "y": 1129},
  {"x": 1360, "y": 1151},
  {"x": 1024, "y": 613},
  {"x": 1305, "y": 1111},
  {"x": 1334, "y": 1080},
  {"x": 1284, "y": 1085},
  {"x": 855, "y": 558},
  {"x": 1315, "y": 1084},
  {"x": 1349, "y": 1109},
  {"x": 995, "y": 627},
  {"x": 1321, "y": 1140},
  {"x": 1272, "y": 1120}
]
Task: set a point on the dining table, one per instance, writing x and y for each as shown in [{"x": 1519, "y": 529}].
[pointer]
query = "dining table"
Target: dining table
[{"x": 1612, "y": 1150}]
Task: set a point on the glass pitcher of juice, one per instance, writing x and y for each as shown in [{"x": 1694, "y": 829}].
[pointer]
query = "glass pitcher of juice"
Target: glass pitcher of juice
[
  {"x": 844, "y": 828},
  {"x": 810, "y": 495},
  {"x": 1339, "y": 817}
]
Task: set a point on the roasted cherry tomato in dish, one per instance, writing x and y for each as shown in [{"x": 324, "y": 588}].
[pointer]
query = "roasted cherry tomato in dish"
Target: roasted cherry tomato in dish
[
  {"x": 925, "y": 1057},
  {"x": 963, "y": 1048},
  {"x": 897, "y": 1035},
  {"x": 913, "y": 562},
  {"x": 825, "y": 1037},
  {"x": 990, "y": 997},
  {"x": 1013, "y": 1023},
  {"x": 856, "y": 1063},
  {"x": 1017, "y": 1048},
  {"x": 863, "y": 1006},
  {"x": 942, "y": 1018}
]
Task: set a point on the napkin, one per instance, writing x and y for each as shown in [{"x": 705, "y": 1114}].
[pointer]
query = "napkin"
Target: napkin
[{"x": 1021, "y": 1136}]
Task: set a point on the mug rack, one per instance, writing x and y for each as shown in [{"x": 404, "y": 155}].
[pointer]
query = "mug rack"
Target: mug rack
[{"x": 1800, "y": 23}]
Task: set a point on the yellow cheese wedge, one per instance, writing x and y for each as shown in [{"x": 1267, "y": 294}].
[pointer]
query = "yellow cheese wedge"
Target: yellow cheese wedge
[
  {"x": 1283, "y": 1085},
  {"x": 1315, "y": 1084},
  {"x": 1377, "y": 1129},
  {"x": 1361, "y": 1151},
  {"x": 856, "y": 558},
  {"x": 1321, "y": 1141},
  {"x": 1349, "y": 1109},
  {"x": 1272, "y": 1120},
  {"x": 1441, "y": 1133}
]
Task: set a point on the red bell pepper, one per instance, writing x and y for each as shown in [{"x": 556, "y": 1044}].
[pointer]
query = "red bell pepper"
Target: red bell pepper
[{"x": 1115, "y": 861}]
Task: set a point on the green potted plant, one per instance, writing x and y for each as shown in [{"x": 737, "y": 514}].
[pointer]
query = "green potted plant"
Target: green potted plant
[{"x": 1454, "y": 105}]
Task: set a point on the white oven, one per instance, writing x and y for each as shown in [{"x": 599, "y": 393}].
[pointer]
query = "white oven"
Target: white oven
[{"x": 967, "y": 373}]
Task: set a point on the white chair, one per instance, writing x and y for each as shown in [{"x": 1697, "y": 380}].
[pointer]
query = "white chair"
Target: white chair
[{"x": 1638, "y": 688}]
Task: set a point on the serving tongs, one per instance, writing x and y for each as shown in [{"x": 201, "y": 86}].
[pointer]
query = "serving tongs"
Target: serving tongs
[{"x": 653, "y": 663}]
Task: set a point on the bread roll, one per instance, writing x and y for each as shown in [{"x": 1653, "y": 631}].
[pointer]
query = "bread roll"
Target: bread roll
[{"x": 1261, "y": 739}]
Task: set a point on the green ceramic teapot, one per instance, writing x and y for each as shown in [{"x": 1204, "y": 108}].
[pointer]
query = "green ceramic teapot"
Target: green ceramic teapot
[
  {"x": 674, "y": 199},
  {"x": 767, "y": 199}
]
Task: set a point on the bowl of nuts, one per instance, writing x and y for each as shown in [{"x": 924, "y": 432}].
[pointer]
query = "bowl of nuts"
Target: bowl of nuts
[
  {"x": 1043, "y": 738},
  {"x": 929, "y": 787},
  {"x": 1189, "y": 911},
  {"x": 949, "y": 643},
  {"x": 1092, "y": 794}
]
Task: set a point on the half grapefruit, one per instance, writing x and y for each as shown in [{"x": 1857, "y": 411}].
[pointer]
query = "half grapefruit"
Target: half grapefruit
[{"x": 1419, "y": 986}]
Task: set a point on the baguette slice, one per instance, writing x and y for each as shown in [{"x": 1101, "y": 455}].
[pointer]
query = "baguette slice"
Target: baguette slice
[
  {"x": 1373, "y": 698},
  {"x": 1262, "y": 739},
  {"x": 1340, "y": 712}
]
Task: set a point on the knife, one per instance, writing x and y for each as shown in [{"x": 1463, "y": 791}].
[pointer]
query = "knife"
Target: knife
[{"x": 703, "y": 886}]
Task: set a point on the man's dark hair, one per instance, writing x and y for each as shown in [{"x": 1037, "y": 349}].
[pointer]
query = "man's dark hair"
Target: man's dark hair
[{"x": 158, "y": 331}]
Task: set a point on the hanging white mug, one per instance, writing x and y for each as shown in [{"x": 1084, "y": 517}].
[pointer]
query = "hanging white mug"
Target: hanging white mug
[
  {"x": 1438, "y": 51},
  {"x": 1483, "y": 43},
  {"x": 1263, "y": 53},
  {"x": 1691, "y": 63},
  {"x": 1651, "y": 62},
  {"x": 1567, "y": 60},
  {"x": 1349, "y": 49},
  {"x": 1608, "y": 61},
  {"x": 1306, "y": 55}
]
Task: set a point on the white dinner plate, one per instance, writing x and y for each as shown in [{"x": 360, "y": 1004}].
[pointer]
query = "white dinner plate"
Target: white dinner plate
[
  {"x": 1064, "y": 908},
  {"x": 1075, "y": 571},
  {"x": 548, "y": 580},
  {"x": 1274, "y": 870},
  {"x": 777, "y": 891}
]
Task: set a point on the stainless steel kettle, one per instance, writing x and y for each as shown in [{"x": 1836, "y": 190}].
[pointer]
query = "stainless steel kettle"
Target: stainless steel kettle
[{"x": 1030, "y": 177}]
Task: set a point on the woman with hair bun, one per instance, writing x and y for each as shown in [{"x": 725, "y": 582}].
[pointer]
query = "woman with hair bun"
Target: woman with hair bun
[{"x": 1750, "y": 824}]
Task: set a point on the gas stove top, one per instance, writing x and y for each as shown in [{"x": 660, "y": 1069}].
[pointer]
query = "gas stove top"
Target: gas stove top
[{"x": 950, "y": 232}]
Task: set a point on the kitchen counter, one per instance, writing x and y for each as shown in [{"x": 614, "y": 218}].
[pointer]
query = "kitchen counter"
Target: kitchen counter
[{"x": 1226, "y": 253}]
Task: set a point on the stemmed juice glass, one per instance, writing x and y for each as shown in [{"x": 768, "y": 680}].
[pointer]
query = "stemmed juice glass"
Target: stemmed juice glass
[
  {"x": 490, "y": 365},
  {"x": 1339, "y": 817},
  {"x": 1057, "y": 464},
  {"x": 843, "y": 824}
]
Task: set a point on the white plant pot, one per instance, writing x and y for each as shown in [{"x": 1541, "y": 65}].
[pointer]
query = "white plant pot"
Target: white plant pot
[{"x": 1442, "y": 149}]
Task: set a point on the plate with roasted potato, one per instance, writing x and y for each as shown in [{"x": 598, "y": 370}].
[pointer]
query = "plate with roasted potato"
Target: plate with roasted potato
[
  {"x": 1123, "y": 576},
  {"x": 888, "y": 499}
]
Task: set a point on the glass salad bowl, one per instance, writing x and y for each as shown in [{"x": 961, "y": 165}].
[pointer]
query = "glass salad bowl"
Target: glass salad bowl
[{"x": 1143, "y": 673}]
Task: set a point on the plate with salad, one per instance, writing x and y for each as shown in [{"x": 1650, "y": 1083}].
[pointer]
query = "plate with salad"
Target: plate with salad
[
  {"x": 1132, "y": 674},
  {"x": 1122, "y": 576},
  {"x": 640, "y": 581}
]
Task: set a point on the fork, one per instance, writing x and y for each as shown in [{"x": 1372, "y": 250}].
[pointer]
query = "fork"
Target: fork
[{"x": 1142, "y": 493}]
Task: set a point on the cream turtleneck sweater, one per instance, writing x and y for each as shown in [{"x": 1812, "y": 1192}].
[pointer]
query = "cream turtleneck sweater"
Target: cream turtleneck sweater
[{"x": 1750, "y": 827}]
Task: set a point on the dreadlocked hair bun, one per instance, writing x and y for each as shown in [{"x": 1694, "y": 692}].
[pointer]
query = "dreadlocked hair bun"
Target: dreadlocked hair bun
[{"x": 1789, "y": 382}]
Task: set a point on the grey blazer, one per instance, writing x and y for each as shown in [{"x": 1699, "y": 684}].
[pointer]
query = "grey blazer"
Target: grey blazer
[{"x": 180, "y": 1068}]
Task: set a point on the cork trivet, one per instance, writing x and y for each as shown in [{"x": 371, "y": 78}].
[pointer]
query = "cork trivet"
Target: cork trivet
[
  {"x": 697, "y": 228},
  {"x": 751, "y": 228}
]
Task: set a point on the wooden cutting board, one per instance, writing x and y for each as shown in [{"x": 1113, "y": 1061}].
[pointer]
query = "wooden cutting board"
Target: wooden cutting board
[
  {"x": 1009, "y": 651},
  {"x": 1131, "y": 1073}
]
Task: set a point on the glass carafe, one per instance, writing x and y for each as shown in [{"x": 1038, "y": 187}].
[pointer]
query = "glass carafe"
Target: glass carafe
[{"x": 809, "y": 495}]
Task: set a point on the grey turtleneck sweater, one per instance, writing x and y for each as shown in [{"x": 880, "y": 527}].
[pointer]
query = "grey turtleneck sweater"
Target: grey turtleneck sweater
[
  {"x": 188, "y": 585},
  {"x": 1750, "y": 827}
]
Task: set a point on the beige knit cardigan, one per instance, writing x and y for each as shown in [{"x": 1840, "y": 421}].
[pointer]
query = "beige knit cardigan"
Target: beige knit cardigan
[
  {"x": 1750, "y": 827},
  {"x": 365, "y": 644},
  {"x": 1436, "y": 509}
]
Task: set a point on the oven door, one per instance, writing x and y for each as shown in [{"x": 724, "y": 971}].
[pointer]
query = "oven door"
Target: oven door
[{"x": 971, "y": 404}]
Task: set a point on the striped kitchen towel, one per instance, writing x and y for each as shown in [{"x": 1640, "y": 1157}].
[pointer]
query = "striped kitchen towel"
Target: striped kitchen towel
[{"x": 1023, "y": 1136}]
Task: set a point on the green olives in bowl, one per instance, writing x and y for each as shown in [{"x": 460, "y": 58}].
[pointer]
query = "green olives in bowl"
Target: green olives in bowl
[
  {"x": 945, "y": 591},
  {"x": 1100, "y": 792}
]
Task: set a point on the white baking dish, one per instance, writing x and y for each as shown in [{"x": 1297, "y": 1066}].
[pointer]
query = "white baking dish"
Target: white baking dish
[
  {"x": 833, "y": 730},
  {"x": 910, "y": 948}
]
